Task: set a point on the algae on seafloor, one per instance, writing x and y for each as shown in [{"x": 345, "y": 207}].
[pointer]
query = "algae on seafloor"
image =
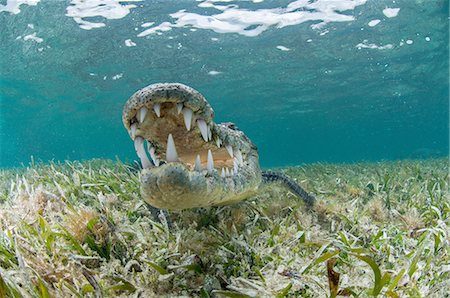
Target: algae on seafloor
[{"x": 81, "y": 229}]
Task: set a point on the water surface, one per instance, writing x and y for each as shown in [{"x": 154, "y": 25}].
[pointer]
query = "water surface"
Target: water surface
[{"x": 308, "y": 81}]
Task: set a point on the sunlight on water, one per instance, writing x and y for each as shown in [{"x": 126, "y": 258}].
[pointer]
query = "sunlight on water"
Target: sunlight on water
[
  {"x": 79, "y": 10},
  {"x": 233, "y": 19},
  {"x": 13, "y": 6}
]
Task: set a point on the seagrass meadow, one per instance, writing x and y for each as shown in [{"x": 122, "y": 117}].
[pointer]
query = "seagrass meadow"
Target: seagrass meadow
[{"x": 80, "y": 229}]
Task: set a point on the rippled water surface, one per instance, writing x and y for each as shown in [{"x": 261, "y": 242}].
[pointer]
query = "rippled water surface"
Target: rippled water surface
[{"x": 308, "y": 81}]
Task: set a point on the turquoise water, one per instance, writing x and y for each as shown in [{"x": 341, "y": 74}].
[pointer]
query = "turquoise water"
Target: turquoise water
[{"x": 308, "y": 81}]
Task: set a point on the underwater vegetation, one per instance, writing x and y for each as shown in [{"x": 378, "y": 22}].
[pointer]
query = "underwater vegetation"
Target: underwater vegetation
[{"x": 81, "y": 229}]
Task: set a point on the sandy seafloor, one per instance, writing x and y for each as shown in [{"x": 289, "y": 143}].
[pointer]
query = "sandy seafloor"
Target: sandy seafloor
[{"x": 81, "y": 229}]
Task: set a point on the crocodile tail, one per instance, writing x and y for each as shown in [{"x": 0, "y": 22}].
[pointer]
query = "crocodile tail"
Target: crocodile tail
[{"x": 270, "y": 176}]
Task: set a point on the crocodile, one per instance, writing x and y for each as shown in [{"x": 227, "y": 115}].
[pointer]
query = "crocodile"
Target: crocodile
[{"x": 189, "y": 161}]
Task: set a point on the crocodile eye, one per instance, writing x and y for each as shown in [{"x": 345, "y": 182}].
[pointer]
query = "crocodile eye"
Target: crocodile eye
[{"x": 231, "y": 125}]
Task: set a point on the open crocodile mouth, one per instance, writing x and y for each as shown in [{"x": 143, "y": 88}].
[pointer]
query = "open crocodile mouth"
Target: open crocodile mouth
[{"x": 173, "y": 123}]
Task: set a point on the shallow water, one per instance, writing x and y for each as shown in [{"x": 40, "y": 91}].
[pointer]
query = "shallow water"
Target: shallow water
[{"x": 308, "y": 81}]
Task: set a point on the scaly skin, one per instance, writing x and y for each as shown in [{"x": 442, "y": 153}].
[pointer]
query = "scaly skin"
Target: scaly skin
[{"x": 177, "y": 184}]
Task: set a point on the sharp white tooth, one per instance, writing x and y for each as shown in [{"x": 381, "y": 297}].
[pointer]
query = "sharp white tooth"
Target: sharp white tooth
[
  {"x": 187, "y": 113},
  {"x": 142, "y": 112},
  {"x": 203, "y": 129},
  {"x": 133, "y": 128},
  {"x": 152, "y": 152},
  {"x": 140, "y": 151},
  {"x": 239, "y": 157},
  {"x": 227, "y": 172},
  {"x": 210, "y": 163},
  {"x": 171, "y": 152},
  {"x": 198, "y": 164},
  {"x": 223, "y": 173},
  {"x": 209, "y": 134},
  {"x": 179, "y": 108},
  {"x": 235, "y": 166},
  {"x": 229, "y": 149},
  {"x": 218, "y": 142},
  {"x": 157, "y": 109}
]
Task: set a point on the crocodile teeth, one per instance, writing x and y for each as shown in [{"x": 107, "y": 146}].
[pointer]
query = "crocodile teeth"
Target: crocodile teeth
[
  {"x": 223, "y": 173},
  {"x": 210, "y": 163},
  {"x": 235, "y": 166},
  {"x": 203, "y": 129},
  {"x": 142, "y": 112},
  {"x": 157, "y": 109},
  {"x": 227, "y": 172},
  {"x": 209, "y": 133},
  {"x": 229, "y": 149},
  {"x": 239, "y": 157},
  {"x": 171, "y": 152},
  {"x": 187, "y": 113},
  {"x": 198, "y": 164},
  {"x": 140, "y": 151},
  {"x": 179, "y": 108},
  {"x": 218, "y": 142},
  {"x": 152, "y": 152},
  {"x": 133, "y": 128}
]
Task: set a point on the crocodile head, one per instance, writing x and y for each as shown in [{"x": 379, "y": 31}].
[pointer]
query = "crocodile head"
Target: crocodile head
[{"x": 188, "y": 160}]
